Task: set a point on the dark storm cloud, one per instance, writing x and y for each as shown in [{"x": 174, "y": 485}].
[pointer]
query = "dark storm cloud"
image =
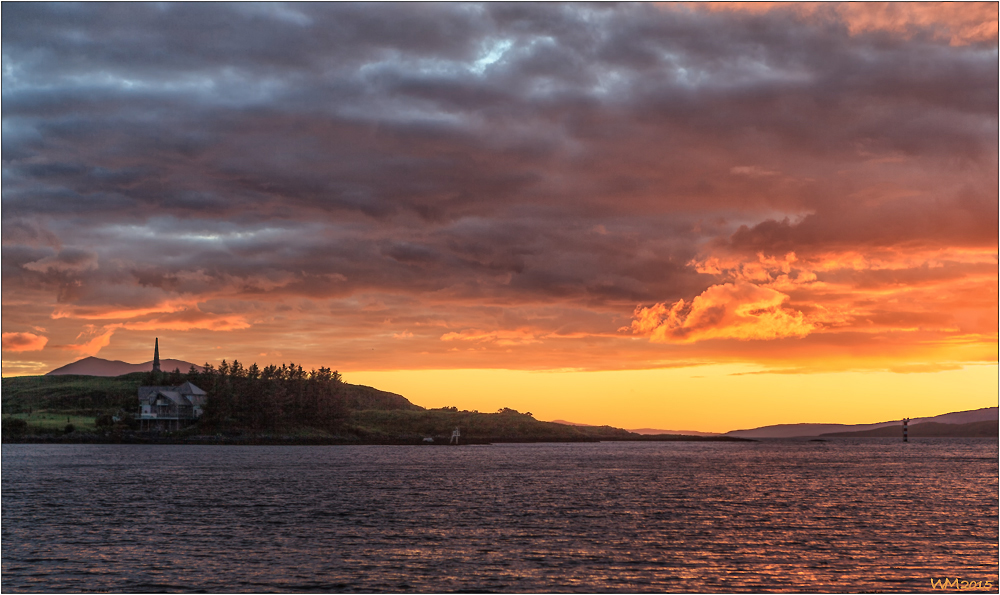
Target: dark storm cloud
[
  {"x": 523, "y": 153},
  {"x": 965, "y": 218}
]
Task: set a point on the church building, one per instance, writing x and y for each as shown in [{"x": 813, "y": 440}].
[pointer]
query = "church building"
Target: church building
[{"x": 169, "y": 407}]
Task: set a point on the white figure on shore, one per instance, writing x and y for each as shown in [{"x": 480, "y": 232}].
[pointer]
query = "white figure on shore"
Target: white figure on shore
[{"x": 454, "y": 437}]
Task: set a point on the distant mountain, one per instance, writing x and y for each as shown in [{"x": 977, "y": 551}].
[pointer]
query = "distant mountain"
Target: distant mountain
[
  {"x": 653, "y": 431},
  {"x": 799, "y": 430},
  {"x": 976, "y": 429},
  {"x": 645, "y": 431},
  {"x": 95, "y": 366},
  {"x": 812, "y": 430},
  {"x": 961, "y": 417}
]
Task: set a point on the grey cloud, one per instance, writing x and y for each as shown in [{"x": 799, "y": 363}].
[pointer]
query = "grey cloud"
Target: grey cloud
[
  {"x": 967, "y": 218},
  {"x": 469, "y": 150}
]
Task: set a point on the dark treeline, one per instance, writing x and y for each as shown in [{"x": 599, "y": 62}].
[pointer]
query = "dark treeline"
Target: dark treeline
[{"x": 266, "y": 399}]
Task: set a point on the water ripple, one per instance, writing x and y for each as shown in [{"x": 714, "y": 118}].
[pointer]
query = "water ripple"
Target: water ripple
[{"x": 678, "y": 517}]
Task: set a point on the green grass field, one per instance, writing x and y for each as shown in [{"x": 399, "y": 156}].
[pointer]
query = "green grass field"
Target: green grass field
[{"x": 53, "y": 421}]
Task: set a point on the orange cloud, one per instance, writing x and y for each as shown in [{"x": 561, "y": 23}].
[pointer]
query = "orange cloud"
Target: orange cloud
[
  {"x": 23, "y": 342},
  {"x": 190, "y": 319},
  {"x": 960, "y": 23},
  {"x": 22, "y": 367},
  {"x": 923, "y": 368},
  {"x": 110, "y": 312},
  {"x": 945, "y": 291},
  {"x": 500, "y": 337},
  {"x": 731, "y": 311},
  {"x": 93, "y": 346},
  {"x": 176, "y": 315}
]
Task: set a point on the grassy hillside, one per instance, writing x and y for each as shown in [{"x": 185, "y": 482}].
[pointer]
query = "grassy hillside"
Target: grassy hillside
[
  {"x": 508, "y": 426},
  {"x": 978, "y": 429},
  {"x": 366, "y": 397},
  {"x": 101, "y": 393},
  {"x": 90, "y": 394}
]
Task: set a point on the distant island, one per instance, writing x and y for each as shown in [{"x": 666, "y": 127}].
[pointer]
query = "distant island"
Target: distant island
[{"x": 946, "y": 421}]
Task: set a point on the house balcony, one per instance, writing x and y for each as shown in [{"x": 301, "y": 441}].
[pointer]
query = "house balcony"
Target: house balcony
[{"x": 167, "y": 416}]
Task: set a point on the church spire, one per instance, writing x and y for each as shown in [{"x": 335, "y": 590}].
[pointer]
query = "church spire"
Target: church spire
[{"x": 156, "y": 355}]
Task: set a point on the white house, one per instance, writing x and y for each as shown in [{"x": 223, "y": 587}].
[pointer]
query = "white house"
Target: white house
[{"x": 170, "y": 406}]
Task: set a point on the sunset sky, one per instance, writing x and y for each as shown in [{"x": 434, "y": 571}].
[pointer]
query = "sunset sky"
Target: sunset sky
[{"x": 680, "y": 216}]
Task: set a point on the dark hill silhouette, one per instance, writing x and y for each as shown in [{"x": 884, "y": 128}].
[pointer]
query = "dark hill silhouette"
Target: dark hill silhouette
[
  {"x": 95, "y": 366},
  {"x": 812, "y": 430},
  {"x": 643, "y": 431},
  {"x": 656, "y": 432},
  {"x": 976, "y": 429},
  {"x": 365, "y": 397}
]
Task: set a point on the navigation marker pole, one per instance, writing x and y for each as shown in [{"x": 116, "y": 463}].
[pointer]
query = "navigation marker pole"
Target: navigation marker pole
[{"x": 906, "y": 420}]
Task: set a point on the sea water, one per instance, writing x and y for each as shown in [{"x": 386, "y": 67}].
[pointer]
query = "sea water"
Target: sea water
[{"x": 841, "y": 515}]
